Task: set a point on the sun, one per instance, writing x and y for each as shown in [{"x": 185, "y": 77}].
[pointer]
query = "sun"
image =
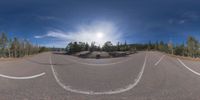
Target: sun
[{"x": 99, "y": 35}]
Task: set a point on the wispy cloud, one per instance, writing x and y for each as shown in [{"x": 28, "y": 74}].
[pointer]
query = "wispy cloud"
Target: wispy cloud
[
  {"x": 60, "y": 44},
  {"x": 46, "y": 17},
  {"x": 87, "y": 33},
  {"x": 185, "y": 17},
  {"x": 38, "y": 37},
  {"x": 182, "y": 21},
  {"x": 177, "y": 21},
  {"x": 191, "y": 15}
]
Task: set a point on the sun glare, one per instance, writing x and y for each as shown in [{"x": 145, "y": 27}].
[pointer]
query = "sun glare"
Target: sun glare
[{"x": 99, "y": 35}]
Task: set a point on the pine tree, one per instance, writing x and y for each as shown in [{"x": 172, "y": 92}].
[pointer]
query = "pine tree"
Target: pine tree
[
  {"x": 192, "y": 45},
  {"x": 3, "y": 44}
]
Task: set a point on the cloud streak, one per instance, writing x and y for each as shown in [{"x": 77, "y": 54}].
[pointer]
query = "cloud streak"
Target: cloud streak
[
  {"x": 87, "y": 33},
  {"x": 185, "y": 18}
]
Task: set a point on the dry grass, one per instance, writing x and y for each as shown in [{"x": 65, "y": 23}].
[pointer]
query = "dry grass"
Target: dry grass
[
  {"x": 184, "y": 58},
  {"x": 21, "y": 58}
]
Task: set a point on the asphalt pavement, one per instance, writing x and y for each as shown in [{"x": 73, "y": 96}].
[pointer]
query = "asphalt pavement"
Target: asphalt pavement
[{"x": 140, "y": 76}]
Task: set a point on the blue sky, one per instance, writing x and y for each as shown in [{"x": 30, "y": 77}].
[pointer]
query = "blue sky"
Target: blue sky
[{"x": 56, "y": 22}]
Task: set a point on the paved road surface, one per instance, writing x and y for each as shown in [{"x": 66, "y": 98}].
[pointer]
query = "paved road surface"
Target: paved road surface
[{"x": 141, "y": 76}]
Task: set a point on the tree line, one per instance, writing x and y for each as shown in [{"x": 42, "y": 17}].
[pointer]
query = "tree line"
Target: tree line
[
  {"x": 74, "y": 47},
  {"x": 14, "y": 47},
  {"x": 190, "y": 48}
]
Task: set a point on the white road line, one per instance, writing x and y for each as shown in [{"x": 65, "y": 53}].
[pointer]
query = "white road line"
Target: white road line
[
  {"x": 188, "y": 67},
  {"x": 116, "y": 91},
  {"x": 159, "y": 60},
  {"x": 92, "y": 64},
  {"x": 98, "y": 64},
  {"x": 21, "y": 78}
]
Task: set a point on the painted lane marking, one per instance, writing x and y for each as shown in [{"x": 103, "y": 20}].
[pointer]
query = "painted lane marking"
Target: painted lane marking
[
  {"x": 159, "y": 60},
  {"x": 116, "y": 91},
  {"x": 76, "y": 61},
  {"x": 92, "y": 64},
  {"x": 188, "y": 67},
  {"x": 21, "y": 78}
]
